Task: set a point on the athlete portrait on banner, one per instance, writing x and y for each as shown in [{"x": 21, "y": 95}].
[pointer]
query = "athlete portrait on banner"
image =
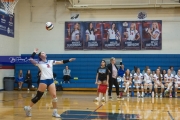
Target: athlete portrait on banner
[
  {"x": 131, "y": 35},
  {"x": 73, "y": 36},
  {"x": 111, "y": 35},
  {"x": 152, "y": 35},
  {"x": 92, "y": 36}
]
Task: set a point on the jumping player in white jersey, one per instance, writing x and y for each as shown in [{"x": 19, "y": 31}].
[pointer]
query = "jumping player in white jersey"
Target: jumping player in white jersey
[
  {"x": 90, "y": 32},
  {"x": 148, "y": 82},
  {"x": 168, "y": 78},
  {"x": 46, "y": 81},
  {"x": 154, "y": 32},
  {"x": 131, "y": 33},
  {"x": 158, "y": 83},
  {"x": 177, "y": 82},
  {"x": 113, "y": 33},
  {"x": 138, "y": 82}
]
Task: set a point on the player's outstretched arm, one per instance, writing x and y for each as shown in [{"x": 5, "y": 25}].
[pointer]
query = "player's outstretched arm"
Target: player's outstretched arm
[
  {"x": 32, "y": 57},
  {"x": 65, "y": 61}
]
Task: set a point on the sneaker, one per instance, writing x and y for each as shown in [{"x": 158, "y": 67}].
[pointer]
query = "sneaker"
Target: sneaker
[
  {"x": 127, "y": 94},
  {"x": 156, "y": 95},
  {"x": 56, "y": 115},
  {"x": 96, "y": 99},
  {"x": 165, "y": 93},
  {"x": 28, "y": 111},
  {"x": 103, "y": 99},
  {"x": 170, "y": 95},
  {"x": 161, "y": 95}
]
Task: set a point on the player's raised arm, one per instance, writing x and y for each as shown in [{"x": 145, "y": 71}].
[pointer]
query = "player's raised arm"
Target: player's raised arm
[
  {"x": 32, "y": 57},
  {"x": 65, "y": 61}
]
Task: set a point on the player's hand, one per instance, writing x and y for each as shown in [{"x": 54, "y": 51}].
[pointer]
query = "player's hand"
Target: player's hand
[
  {"x": 36, "y": 50},
  {"x": 149, "y": 30},
  {"x": 72, "y": 59},
  {"x": 107, "y": 83},
  {"x": 96, "y": 82}
]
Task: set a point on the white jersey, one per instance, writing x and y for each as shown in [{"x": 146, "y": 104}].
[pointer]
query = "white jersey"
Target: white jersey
[
  {"x": 168, "y": 77},
  {"x": 112, "y": 34},
  {"x": 131, "y": 34},
  {"x": 156, "y": 78},
  {"x": 147, "y": 78},
  {"x": 177, "y": 79},
  {"x": 156, "y": 31},
  {"x": 74, "y": 34},
  {"x": 46, "y": 69},
  {"x": 127, "y": 78},
  {"x": 139, "y": 79},
  {"x": 91, "y": 35}
]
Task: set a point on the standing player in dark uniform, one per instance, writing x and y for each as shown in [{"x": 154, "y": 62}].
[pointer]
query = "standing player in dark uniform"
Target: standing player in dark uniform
[{"x": 102, "y": 76}]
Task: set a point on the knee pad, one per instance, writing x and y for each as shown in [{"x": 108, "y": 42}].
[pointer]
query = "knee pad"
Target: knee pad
[
  {"x": 176, "y": 85},
  {"x": 55, "y": 99},
  {"x": 145, "y": 87},
  {"x": 37, "y": 97},
  {"x": 162, "y": 86},
  {"x": 155, "y": 86}
]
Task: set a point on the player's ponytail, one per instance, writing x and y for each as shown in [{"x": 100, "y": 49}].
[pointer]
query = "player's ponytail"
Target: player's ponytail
[{"x": 39, "y": 56}]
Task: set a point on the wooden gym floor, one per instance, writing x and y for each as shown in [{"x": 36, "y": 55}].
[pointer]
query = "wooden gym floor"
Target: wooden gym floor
[{"x": 80, "y": 106}]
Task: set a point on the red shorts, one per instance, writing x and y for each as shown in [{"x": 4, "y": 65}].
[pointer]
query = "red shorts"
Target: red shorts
[{"x": 102, "y": 88}]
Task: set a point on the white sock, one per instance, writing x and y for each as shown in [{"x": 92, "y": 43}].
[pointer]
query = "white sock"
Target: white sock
[
  {"x": 54, "y": 110},
  {"x": 29, "y": 107}
]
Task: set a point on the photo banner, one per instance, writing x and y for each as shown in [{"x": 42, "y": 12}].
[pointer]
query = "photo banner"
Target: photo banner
[
  {"x": 6, "y": 22},
  {"x": 92, "y": 36},
  {"x": 152, "y": 35},
  {"x": 131, "y": 35},
  {"x": 113, "y": 35},
  {"x": 73, "y": 36}
]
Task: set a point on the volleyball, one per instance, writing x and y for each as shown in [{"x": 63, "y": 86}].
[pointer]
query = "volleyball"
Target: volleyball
[{"x": 49, "y": 26}]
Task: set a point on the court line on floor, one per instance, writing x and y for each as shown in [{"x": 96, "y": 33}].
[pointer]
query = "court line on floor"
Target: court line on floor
[
  {"x": 170, "y": 115},
  {"x": 93, "y": 112}
]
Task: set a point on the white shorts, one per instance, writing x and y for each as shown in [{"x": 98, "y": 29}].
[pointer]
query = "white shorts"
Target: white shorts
[
  {"x": 148, "y": 82},
  {"x": 137, "y": 82}
]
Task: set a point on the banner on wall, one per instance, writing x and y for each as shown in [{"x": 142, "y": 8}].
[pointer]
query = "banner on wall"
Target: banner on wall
[
  {"x": 6, "y": 22},
  {"x": 131, "y": 35},
  {"x": 152, "y": 35},
  {"x": 92, "y": 36},
  {"x": 113, "y": 35},
  {"x": 73, "y": 36}
]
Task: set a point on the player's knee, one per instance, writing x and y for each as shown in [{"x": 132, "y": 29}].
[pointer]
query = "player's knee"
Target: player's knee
[
  {"x": 145, "y": 86},
  {"x": 155, "y": 86},
  {"x": 37, "y": 97},
  {"x": 55, "y": 99},
  {"x": 162, "y": 86},
  {"x": 54, "y": 96}
]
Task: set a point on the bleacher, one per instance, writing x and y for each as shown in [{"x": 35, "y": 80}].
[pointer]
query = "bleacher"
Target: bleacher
[{"x": 86, "y": 65}]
